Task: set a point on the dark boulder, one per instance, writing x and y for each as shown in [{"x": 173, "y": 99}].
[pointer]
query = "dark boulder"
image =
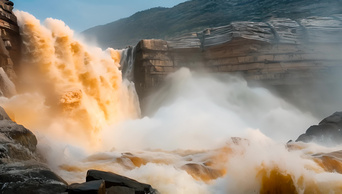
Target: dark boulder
[
  {"x": 120, "y": 190},
  {"x": 16, "y": 142},
  {"x": 91, "y": 187},
  {"x": 115, "y": 180},
  {"x": 327, "y": 132},
  {"x": 29, "y": 177},
  {"x": 18, "y": 133}
]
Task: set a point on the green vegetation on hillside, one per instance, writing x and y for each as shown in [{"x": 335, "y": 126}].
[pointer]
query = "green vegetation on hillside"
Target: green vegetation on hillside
[{"x": 196, "y": 15}]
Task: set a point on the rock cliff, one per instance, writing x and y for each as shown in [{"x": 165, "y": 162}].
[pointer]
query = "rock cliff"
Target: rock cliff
[
  {"x": 10, "y": 48},
  {"x": 281, "y": 53},
  {"x": 195, "y": 15}
]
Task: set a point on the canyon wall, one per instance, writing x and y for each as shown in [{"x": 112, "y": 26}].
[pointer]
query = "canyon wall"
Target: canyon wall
[
  {"x": 10, "y": 48},
  {"x": 279, "y": 53}
]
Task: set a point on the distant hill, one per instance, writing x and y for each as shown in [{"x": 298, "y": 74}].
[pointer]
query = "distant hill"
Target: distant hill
[{"x": 196, "y": 15}]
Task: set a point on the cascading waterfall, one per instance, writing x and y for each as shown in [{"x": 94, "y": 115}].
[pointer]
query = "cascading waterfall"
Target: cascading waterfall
[
  {"x": 81, "y": 85},
  {"x": 7, "y": 86},
  {"x": 127, "y": 63},
  {"x": 208, "y": 134}
]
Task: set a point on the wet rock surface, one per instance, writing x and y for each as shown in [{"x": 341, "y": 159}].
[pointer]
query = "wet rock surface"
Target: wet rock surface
[
  {"x": 116, "y": 183},
  {"x": 327, "y": 132},
  {"x": 100, "y": 182},
  {"x": 16, "y": 142},
  {"x": 95, "y": 187},
  {"x": 29, "y": 177},
  {"x": 21, "y": 169},
  {"x": 18, "y": 134}
]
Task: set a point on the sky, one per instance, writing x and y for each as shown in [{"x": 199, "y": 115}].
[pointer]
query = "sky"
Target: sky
[{"x": 80, "y": 15}]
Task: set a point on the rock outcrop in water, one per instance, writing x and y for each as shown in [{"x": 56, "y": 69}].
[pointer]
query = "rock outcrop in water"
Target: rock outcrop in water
[
  {"x": 327, "y": 132},
  {"x": 115, "y": 182},
  {"x": 101, "y": 182}
]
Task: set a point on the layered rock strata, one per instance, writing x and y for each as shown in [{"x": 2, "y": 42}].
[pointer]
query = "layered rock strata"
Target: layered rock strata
[
  {"x": 10, "y": 48},
  {"x": 280, "y": 52}
]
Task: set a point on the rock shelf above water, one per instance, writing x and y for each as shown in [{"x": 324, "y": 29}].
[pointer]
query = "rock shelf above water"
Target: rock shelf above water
[{"x": 293, "y": 56}]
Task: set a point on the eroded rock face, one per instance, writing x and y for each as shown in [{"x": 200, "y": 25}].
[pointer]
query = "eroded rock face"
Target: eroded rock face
[
  {"x": 278, "y": 52},
  {"x": 327, "y": 132},
  {"x": 10, "y": 48},
  {"x": 21, "y": 169},
  {"x": 299, "y": 59}
]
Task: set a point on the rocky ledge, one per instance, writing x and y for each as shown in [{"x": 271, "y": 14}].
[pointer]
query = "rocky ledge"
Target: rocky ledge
[
  {"x": 327, "y": 132},
  {"x": 299, "y": 59},
  {"x": 21, "y": 168},
  {"x": 99, "y": 182},
  {"x": 278, "y": 52}
]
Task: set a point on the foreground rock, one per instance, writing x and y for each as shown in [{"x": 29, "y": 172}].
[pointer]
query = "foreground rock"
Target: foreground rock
[
  {"x": 327, "y": 132},
  {"x": 21, "y": 170},
  {"x": 29, "y": 177},
  {"x": 96, "y": 187},
  {"x": 119, "y": 184},
  {"x": 100, "y": 182}
]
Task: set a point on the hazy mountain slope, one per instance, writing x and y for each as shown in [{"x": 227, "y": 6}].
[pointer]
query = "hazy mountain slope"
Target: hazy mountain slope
[{"x": 195, "y": 15}]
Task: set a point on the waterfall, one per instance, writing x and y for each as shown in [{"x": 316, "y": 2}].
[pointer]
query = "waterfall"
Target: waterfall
[
  {"x": 7, "y": 86},
  {"x": 81, "y": 86},
  {"x": 127, "y": 63},
  {"x": 208, "y": 134}
]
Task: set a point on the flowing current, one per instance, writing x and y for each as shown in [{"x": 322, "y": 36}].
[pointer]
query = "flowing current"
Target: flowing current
[{"x": 205, "y": 133}]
